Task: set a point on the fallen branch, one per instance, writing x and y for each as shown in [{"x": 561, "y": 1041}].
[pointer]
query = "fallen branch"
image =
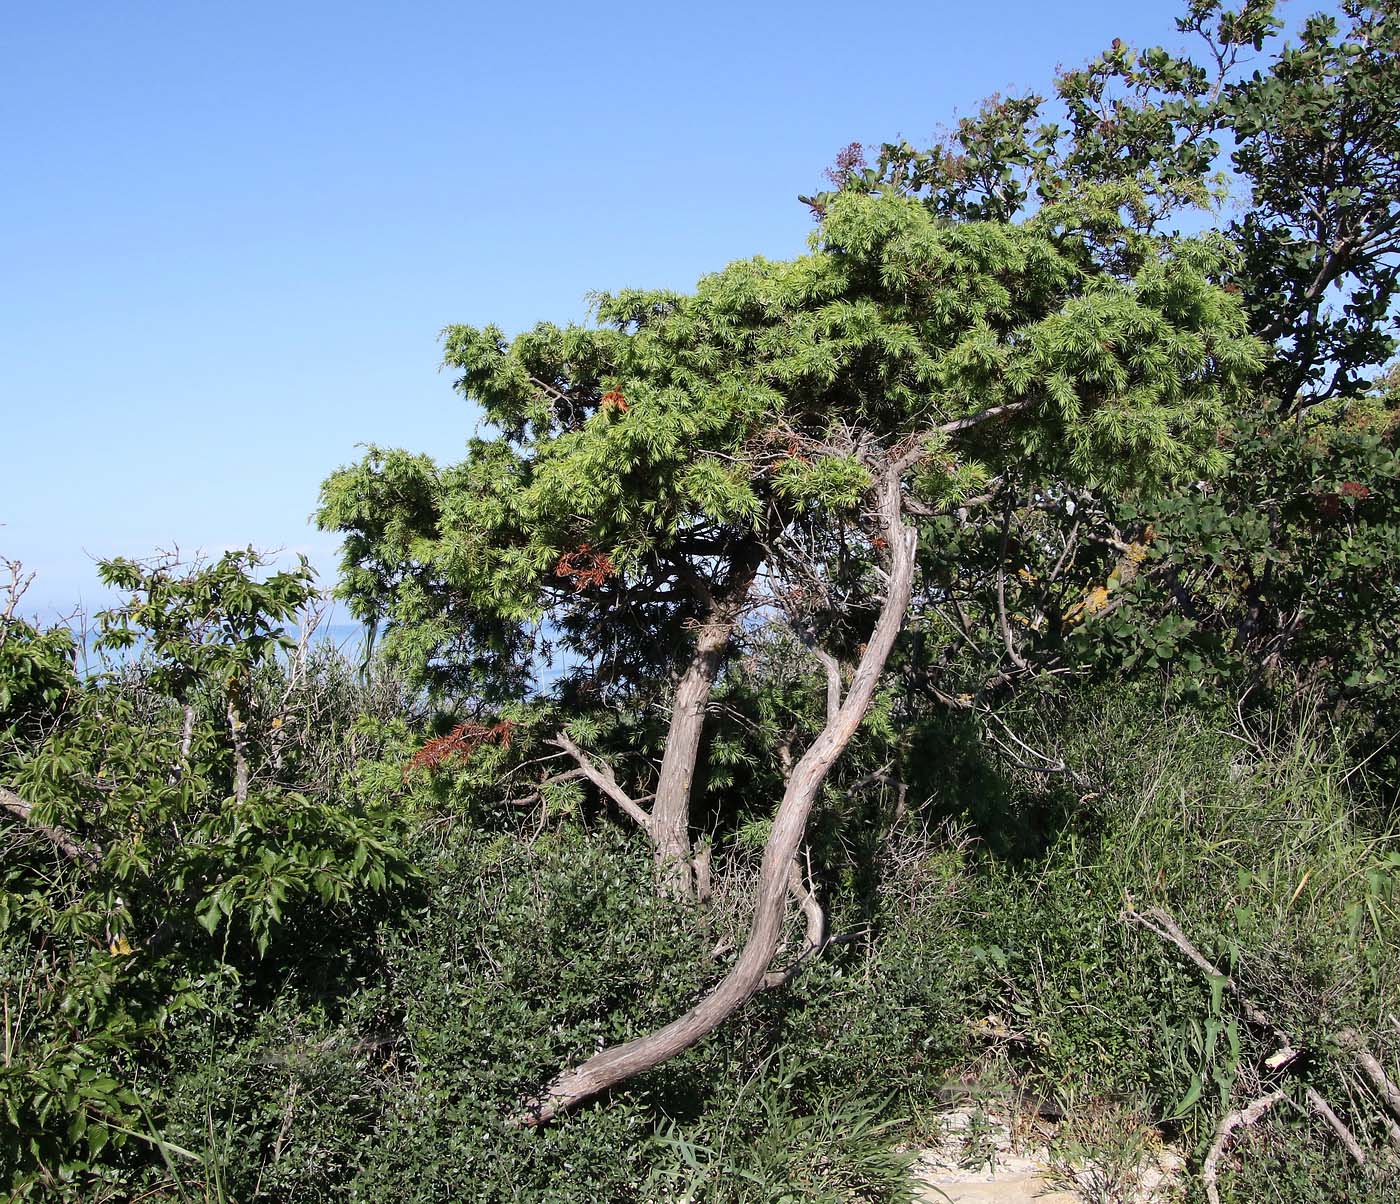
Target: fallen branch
[
  {"x": 1160, "y": 922},
  {"x": 1334, "y": 1122},
  {"x": 1372, "y": 1069},
  {"x": 1244, "y": 1117}
]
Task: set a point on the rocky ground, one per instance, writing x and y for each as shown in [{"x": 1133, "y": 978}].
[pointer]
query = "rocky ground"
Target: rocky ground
[{"x": 984, "y": 1156}]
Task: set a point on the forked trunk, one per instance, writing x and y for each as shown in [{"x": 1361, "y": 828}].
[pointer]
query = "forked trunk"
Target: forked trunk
[{"x": 621, "y": 1062}]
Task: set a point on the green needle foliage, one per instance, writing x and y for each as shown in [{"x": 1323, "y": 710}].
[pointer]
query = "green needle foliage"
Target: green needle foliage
[{"x": 682, "y": 432}]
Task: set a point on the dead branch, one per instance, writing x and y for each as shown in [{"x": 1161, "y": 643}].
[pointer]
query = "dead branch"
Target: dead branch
[
  {"x": 1244, "y": 1117},
  {"x": 556, "y": 779},
  {"x": 12, "y": 591},
  {"x": 1373, "y": 1070},
  {"x": 1160, "y": 922},
  {"x": 1334, "y": 1122},
  {"x": 1071, "y": 542},
  {"x": 602, "y": 776},
  {"x": 917, "y": 452},
  {"x": 1007, "y": 639}
]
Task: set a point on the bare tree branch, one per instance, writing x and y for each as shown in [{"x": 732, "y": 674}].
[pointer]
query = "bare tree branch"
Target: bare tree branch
[
  {"x": 1334, "y": 1122},
  {"x": 1158, "y": 921},
  {"x": 746, "y": 977},
  {"x": 1249, "y": 1115},
  {"x": 814, "y": 916},
  {"x": 1373, "y": 1070},
  {"x": 833, "y": 680},
  {"x": 602, "y": 776},
  {"x": 916, "y": 453},
  {"x": 66, "y": 843}
]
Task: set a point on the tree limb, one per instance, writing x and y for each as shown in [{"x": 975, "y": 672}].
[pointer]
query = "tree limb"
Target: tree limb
[
  {"x": 746, "y": 977},
  {"x": 1249, "y": 1115},
  {"x": 917, "y": 453},
  {"x": 1373, "y": 1070},
  {"x": 799, "y": 885},
  {"x": 1334, "y": 1122},
  {"x": 66, "y": 843},
  {"x": 604, "y": 779},
  {"x": 833, "y": 680},
  {"x": 1158, "y": 921}
]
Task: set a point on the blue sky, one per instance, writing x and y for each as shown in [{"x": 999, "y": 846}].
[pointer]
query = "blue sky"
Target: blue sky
[{"x": 229, "y": 234}]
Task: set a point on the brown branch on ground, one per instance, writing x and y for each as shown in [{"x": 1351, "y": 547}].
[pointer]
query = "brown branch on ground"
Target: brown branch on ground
[
  {"x": 1244, "y": 1117},
  {"x": 1334, "y": 1122},
  {"x": 1157, "y": 921},
  {"x": 1160, "y": 922},
  {"x": 1370, "y": 1066}
]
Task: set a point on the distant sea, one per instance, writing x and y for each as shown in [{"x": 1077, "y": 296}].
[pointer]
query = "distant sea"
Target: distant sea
[{"x": 346, "y": 635}]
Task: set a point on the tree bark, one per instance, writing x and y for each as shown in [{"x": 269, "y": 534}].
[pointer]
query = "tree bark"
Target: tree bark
[
  {"x": 238, "y": 735},
  {"x": 670, "y": 812},
  {"x": 621, "y": 1062}
]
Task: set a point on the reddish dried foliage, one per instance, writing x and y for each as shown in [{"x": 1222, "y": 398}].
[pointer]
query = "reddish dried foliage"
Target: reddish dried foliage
[
  {"x": 585, "y": 567},
  {"x": 1329, "y": 505},
  {"x": 459, "y": 744},
  {"x": 615, "y": 401}
]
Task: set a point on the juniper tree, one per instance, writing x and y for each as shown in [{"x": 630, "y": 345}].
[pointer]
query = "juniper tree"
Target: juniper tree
[
  {"x": 1313, "y": 162},
  {"x": 766, "y": 438}
]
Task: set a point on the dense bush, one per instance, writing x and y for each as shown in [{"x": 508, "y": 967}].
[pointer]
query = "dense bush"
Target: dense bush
[{"x": 369, "y": 1053}]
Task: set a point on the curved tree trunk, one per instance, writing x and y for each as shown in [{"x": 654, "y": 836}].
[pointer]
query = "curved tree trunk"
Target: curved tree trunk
[
  {"x": 621, "y": 1062},
  {"x": 670, "y": 812}
]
